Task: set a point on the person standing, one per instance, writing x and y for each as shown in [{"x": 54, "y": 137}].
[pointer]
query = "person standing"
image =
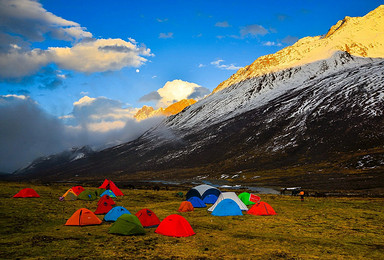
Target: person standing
[{"x": 301, "y": 194}]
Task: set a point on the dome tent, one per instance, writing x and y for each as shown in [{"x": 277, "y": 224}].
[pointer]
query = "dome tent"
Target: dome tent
[
  {"x": 197, "y": 202},
  {"x": 175, "y": 226},
  {"x": 127, "y": 224},
  {"x": 201, "y": 191},
  {"x": 261, "y": 209},
  {"x": 109, "y": 185},
  {"x": 229, "y": 195},
  {"x": 27, "y": 193},
  {"x": 249, "y": 198},
  {"x": 185, "y": 206},
  {"x": 77, "y": 189},
  {"x": 115, "y": 213},
  {"x": 109, "y": 193},
  {"x": 148, "y": 218},
  {"x": 103, "y": 208},
  {"x": 83, "y": 217},
  {"x": 107, "y": 199},
  {"x": 87, "y": 195},
  {"x": 227, "y": 207},
  {"x": 210, "y": 199}
]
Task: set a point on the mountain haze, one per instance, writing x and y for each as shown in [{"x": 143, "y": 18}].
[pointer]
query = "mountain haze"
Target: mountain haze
[{"x": 309, "y": 115}]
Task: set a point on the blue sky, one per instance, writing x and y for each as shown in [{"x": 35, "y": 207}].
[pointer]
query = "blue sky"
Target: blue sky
[{"x": 75, "y": 60}]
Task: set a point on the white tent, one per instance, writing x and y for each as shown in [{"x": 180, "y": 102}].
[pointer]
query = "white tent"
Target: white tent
[{"x": 229, "y": 195}]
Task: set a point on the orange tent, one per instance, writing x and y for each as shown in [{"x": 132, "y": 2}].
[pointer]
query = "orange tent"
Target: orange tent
[
  {"x": 261, "y": 209},
  {"x": 83, "y": 217},
  {"x": 27, "y": 193},
  {"x": 185, "y": 207},
  {"x": 109, "y": 185}
]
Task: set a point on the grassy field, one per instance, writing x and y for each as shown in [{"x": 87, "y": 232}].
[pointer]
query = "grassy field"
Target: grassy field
[{"x": 318, "y": 228}]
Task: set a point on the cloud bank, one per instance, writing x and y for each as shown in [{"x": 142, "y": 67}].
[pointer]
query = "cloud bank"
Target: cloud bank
[
  {"x": 24, "y": 22},
  {"x": 28, "y": 132}
]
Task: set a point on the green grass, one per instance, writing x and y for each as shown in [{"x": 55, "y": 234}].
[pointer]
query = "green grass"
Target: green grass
[{"x": 318, "y": 228}]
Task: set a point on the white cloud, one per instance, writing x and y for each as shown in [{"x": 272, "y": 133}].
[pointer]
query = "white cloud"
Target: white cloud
[
  {"x": 29, "y": 19},
  {"x": 174, "y": 91},
  {"x": 253, "y": 30},
  {"x": 100, "y": 55},
  {"x": 166, "y": 35},
  {"x": 269, "y": 43},
  {"x": 23, "y": 22},
  {"x": 99, "y": 114},
  {"x": 222, "y": 24},
  {"x": 218, "y": 64}
]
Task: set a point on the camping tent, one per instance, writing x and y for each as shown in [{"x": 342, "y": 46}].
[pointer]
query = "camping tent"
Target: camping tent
[
  {"x": 99, "y": 191},
  {"x": 83, "y": 217},
  {"x": 27, "y": 193},
  {"x": 107, "y": 199},
  {"x": 197, "y": 202},
  {"x": 109, "y": 193},
  {"x": 70, "y": 195},
  {"x": 87, "y": 195},
  {"x": 115, "y": 213},
  {"x": 77, "y": 189},
  {"x": 261, "y": 209},
  {"x": 248, "y": 198},
  {"x": 127, "y": 225},
  {"x": 175, "y": 226},
  {"x": 227, "y": 207},
  {"x": 103, "y": 208},
  {"x": 210, "y": 199},
  {"x": 201, "y": 191},
  {"x": 148, "y": 218},
  {"x": 185, "y": 206},
  {"x": 109, "y": 185},
  {"x": 229, "y": 195}
]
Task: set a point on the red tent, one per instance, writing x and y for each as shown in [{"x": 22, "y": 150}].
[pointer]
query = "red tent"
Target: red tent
[
  {"x": 27, "y": 193},
  {"x": 261, "y": 209},
  {"x": 77, "y": 189},
  {"x": 103, "y": 208},
  {"x": 106, "y": 198},
  {"x": 109, "y": 185},
  {"x": 148, "y": 218},
  {"x": 175, "y": 226},
  {"x": 185, "y": 206}
]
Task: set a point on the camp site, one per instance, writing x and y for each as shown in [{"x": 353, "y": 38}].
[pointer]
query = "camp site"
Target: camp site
[{"x": 38, "y": 221}]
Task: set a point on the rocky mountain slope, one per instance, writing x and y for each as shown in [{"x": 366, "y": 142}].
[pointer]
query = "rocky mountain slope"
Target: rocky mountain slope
[
  {"x": 359, "y": 36},
  {"x": 148, "y": 111},
  {"x": 310, "y": 115}
]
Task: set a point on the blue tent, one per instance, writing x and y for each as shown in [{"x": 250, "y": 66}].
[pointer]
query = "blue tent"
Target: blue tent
[
  {"x": 210, "y": 199},
  {"x": 227, "y": 207},
  {"x": 197, "y": 202},
  {"x": 115, "y": 213},
  {"x": 109, "y": 193}
]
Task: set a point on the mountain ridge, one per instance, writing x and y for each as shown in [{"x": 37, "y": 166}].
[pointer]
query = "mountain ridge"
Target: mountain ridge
[{"x": 346, "y": 35}]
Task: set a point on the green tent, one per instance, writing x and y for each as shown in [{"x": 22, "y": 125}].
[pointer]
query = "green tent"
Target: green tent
[
  {"x": 70, "y": 196},
  {"x": 87, "y": 195},
  {"x": 99, "y": 191},
  {"x": 245, "y": 197},
  {"x": 127, "y": 225}
]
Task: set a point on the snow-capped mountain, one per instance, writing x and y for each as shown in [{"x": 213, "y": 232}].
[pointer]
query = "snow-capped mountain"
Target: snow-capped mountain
[
  {"x": 318, "y": 102},
  {"x": 62, "y": 158}
]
